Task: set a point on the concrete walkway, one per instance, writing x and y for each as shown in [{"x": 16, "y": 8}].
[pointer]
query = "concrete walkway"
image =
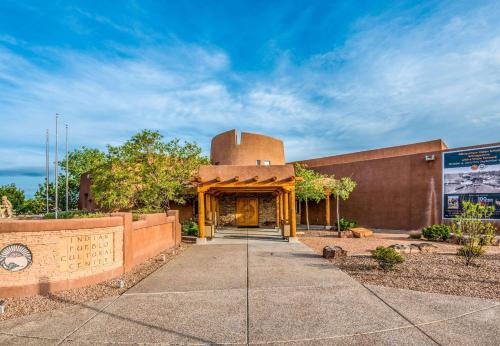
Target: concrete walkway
[{"x": 250, "y": 287}]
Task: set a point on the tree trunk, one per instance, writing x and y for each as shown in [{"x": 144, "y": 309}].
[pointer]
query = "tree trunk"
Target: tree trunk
[
  {"x": 307, "y": 215},
  {"x": 338, "y": 216}
]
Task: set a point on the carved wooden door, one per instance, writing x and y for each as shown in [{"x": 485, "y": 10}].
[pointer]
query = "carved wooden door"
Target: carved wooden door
[{"x": 247, "y": 211}]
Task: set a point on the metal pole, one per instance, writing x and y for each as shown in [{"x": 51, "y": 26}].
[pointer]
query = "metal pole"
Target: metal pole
[
  {"x": 47, "y": 171},
  {"x": 67, "y": 177},
  {"x": 56, "y": 171}
]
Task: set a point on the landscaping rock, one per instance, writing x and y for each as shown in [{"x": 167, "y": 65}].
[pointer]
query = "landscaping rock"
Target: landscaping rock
[
  {"x": 425, "y": 247},
  {"x": 360, "y": 232},
  {"x": 455, "y": 239},
  {"x": 495, "y": 241},
  {"x": 415, "y": 234},
  {"x": 333, "y": 252},
  {"x": 401, "y": 248},
  {"x": 345, "y": 234}
]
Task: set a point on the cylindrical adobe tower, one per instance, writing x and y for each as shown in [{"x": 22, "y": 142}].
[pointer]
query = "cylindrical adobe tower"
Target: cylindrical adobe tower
[{"x": 252, "y": 150}]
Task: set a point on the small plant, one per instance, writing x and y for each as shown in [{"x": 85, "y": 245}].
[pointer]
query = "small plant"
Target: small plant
[
  {"x": 74, "y": 214},
  {"x": 471, "y": 226},
  {"x": 387, "y": 257},
  {"x": 189, "y": 227},
  {"x": 436, "y": 232},
  {"x": 346, "y": 225},
  {"x": 470, "y": 252}
]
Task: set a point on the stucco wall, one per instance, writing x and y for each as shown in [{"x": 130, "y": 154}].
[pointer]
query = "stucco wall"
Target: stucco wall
[
  {"x": 78, "y": 252},
  {"x": 225, "y": 150},
  {"x": 402, "y": 192}
]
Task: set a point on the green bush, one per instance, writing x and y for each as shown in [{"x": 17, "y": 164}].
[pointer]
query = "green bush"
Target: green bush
[
  {"x": 470, "y": 251},
  {"x": 189, "y": 227},
  {"x": 74, "y": 214},
  {"x": 347, "y": 224},
  {"x": 387, "y": 257},
  {"x": 436, "y": 232}
]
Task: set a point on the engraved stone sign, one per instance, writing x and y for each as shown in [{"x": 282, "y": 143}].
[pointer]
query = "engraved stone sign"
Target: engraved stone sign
[
  {"x": 15, "y": 257},
  {"x": 84, "y": 252}
]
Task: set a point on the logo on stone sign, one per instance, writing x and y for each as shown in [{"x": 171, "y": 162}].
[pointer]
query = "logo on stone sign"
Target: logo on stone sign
[{"x": 15, "y": 257}]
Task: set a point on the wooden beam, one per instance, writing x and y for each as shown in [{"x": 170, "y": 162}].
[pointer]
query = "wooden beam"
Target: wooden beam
[
  {"x": 293, "y": 220},
  {"x": 277, "y": 210},
  {"x": 201, "y": 215},
  {"x": 285, "y": 207}
]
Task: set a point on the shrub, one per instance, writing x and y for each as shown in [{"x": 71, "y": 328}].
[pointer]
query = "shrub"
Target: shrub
[
  {"x": 189, "y": 227},
  {"x": 475, "y": 231},
  {"x": 347, "y": 224},
  {"x": 470, "y": 251},
  {"x": 436, "y": 232},
  {"x": 387, "y": 257},
  {"x": 74, "y": 214}
]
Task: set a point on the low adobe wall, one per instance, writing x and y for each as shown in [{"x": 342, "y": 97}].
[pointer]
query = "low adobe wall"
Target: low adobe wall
[{"x": 41, "y": 256}]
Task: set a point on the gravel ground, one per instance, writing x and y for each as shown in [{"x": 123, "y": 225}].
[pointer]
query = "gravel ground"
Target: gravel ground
[
  {"x": 16, "y": 307},
  {"x": 440, "y": 272},
  {"x": 437, "y": 273},
  {"x": 362, "y": 246}
]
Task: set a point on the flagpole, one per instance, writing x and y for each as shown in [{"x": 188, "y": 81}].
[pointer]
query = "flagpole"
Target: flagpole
[
  {"x": 47, "y": 172},
  {"x": 67, "y": 177},
  {"x": 56, "y": 172}
]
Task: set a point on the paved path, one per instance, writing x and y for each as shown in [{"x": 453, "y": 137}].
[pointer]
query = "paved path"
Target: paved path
[{"x": 251, "y": 289}]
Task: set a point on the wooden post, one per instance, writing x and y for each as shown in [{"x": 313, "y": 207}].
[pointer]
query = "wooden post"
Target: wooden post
[
  {"x": 281, "y": 206},
  {"x": 277, "y": 210},
  {"x": 208, "y": 210},
  {"x": 212, "y": 207},
  {"x": 201, "y": 215},
  {"x": 285, "y": 207},
  {"x": 327, "y": 211},
  {"x": 217, "y": 210},
  {"x": 293, "y": 221}
]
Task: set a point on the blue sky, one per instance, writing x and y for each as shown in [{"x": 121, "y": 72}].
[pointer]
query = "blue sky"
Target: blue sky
[{"x": 325, "y": 76}]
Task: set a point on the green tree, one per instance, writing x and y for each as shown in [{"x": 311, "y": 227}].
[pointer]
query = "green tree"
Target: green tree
[
  {"x": 340, "y": 189},
  {"x": 309, "y": 187},
  {"x": 14, "y": 194},
  {"x": 81, "y": 160},
  {"x": 472, "y": 226},
  {"x": 145, "y": 172}
]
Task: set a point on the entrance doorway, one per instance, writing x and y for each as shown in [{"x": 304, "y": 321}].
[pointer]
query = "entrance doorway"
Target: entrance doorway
[{"x": 247, "y": 212}]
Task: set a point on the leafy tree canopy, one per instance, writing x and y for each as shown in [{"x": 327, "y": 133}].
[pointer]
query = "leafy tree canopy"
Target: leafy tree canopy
[
  {"x": 146, "y": 172},
  {"x": 310, "y": 186}
]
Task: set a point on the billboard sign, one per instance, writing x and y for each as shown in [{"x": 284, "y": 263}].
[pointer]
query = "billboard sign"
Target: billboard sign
[{"x": 471, "y": 175}]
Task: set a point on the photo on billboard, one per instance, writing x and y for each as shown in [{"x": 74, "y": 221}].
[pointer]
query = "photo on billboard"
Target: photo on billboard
[{"x": 471, "y": 175}]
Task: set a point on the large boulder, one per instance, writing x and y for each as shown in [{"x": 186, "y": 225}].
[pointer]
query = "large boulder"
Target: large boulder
[
  {"x": 333, "y": 252},
  {"x": 361, "y": 232}
]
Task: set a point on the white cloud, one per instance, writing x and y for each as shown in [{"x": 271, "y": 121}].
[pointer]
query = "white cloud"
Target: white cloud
[{"x": 390, "y": 83}]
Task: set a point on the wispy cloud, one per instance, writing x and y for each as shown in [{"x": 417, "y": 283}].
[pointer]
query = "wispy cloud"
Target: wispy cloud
[{"x": 396, "y": 80}]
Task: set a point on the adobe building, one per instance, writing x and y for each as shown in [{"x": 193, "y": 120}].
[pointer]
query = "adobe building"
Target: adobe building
[{"x": 249, "y": 184}]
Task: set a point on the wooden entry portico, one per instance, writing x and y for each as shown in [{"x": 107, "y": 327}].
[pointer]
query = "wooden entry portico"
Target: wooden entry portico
[{"x": 214, "y": 181}]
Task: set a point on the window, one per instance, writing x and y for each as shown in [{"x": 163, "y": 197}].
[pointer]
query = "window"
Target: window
[{"x": 263, "y": 163}]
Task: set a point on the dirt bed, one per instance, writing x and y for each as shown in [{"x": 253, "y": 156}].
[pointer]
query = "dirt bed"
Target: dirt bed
[
  {"x": 362, "y": 246},
  {"x": 440, "y": 272},
  {"x": 16, "y": 307},
  {"x": 437, "y": 273}
]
